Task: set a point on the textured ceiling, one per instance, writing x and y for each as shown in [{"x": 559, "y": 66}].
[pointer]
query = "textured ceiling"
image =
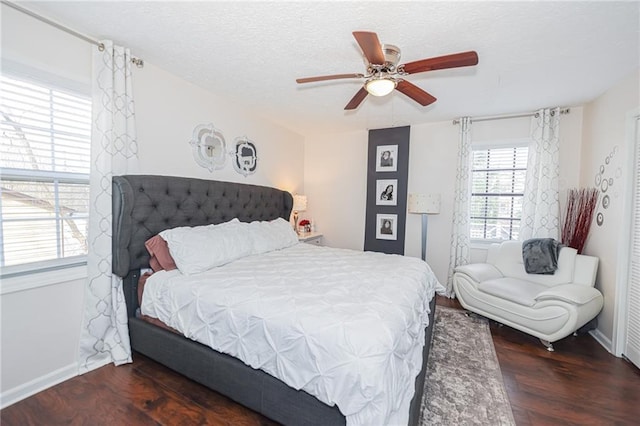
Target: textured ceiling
[{"x": 532, "y": 54}]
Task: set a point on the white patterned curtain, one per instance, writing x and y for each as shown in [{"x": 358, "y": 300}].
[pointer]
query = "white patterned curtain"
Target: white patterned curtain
[
  {"x": 460, "y": 234},
  {"x": 541, "y": 205},
  {"x": 114, "y": 151}
]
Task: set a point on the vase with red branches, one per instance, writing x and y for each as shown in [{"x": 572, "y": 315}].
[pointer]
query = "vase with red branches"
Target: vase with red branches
[{"x": 581, "y": 203}]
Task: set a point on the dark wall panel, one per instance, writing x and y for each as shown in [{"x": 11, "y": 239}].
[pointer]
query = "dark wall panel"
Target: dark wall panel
[{"x": 387, "y": 173}]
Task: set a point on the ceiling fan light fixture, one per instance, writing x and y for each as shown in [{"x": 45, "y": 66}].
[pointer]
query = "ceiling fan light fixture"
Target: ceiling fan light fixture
[
  {"x": 380, "y": 86},
  {"x": 384, "y": 73}
]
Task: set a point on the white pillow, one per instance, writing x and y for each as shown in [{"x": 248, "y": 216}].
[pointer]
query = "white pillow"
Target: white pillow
[
  {"x": 198, "y": 249},
  {"x": 274, "y": 235}
]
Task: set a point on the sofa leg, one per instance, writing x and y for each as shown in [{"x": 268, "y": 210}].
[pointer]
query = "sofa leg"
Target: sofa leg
[
  {"x": 547, "y": 344},
  {"x": 472, "y": 314}
]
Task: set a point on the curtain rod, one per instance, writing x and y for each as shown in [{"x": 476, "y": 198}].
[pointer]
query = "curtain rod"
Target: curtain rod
[
  {"x": 504, "y": 117},
  {"x": 136, "y": 61}
]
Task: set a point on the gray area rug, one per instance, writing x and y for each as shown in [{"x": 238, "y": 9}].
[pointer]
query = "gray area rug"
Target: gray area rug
[{"x": 464, "y": 385}]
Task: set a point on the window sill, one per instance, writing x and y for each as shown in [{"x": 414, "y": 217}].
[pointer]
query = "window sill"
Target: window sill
[
  {"x": 42, "y": 279},
  {"x": 483, "y": 244}
]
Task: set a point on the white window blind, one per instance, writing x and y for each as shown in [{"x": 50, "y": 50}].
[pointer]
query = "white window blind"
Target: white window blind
[
  {"x": 44, "y": 165},
  {"x": 498, "y": 176}
]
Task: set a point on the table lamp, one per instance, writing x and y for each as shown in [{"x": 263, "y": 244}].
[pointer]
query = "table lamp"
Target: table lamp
[{"x": 299, "y": 205}]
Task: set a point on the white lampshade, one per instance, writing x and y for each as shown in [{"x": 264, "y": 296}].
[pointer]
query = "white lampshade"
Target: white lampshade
[
  {"x": 424, "y": 203},
  {"x": 299, "y": 203},
  {"x": 380, "y": 86}
]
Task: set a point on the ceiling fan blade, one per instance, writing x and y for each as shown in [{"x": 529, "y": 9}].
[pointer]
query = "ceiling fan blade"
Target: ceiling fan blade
[
  {"x": 327, "y": 77},
  {"x": 415, "y": 93},
  {"x": 357, "y": 99},
  {"x": 371, "y": 47},
  {"x": 463, "y": 59}
]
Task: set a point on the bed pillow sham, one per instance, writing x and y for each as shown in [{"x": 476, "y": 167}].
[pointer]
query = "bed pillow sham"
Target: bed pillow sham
[
  {"x": 198, "y": 249},
  {"x": 201, "y": 248},
  {"x": 160, "y": 256},
  {"x": 273, "y": 235}
]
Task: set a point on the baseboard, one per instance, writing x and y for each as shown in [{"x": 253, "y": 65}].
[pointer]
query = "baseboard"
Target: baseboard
[
  {"x": 94, "y": 365},
  {"x": 604, "y": 341},
  {"x": 37, "y": 385}
]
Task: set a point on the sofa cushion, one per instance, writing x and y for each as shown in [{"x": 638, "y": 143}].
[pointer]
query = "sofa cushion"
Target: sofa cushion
[
  {"x": 509, "y": 262},
  {"x": 513, "y": 289},
  {"x": 576, "y": 294},
  {"x": 479, "y": 272}
]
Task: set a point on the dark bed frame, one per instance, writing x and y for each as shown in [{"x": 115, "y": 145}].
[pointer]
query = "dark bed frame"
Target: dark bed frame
[{"x": 143, "y": 206}]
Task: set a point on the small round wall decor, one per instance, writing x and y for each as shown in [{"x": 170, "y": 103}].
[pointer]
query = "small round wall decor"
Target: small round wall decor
[
  {"x": 245, "y": 156},
  {"x": 208, "y": 147},
  {"x": 605, "y": 180}
]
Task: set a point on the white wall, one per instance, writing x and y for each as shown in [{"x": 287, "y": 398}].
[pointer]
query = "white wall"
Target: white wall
[
  {"x": 604, "y": 134},
  {"x": 38, "y": 46},
  {"x": 432, "y": 169},
  {"x": 41, "y": 326},
  {"x": 336, "y": 173},
  {"x": 335, "y": 177},
  {"x": 40, "y": 332},
  {"x": 168, "y": 109}
]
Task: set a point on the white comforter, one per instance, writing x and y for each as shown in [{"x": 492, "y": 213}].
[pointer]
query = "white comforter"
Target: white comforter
[{"x": 345, "y": 326}]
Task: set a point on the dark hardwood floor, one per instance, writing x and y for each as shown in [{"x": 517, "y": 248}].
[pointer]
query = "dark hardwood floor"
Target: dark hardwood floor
[{"x": 578, "y": 384}]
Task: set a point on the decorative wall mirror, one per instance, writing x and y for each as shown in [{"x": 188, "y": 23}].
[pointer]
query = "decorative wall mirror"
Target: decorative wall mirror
[
  {"x": 245, "y": 156},
  {"x": 208, "y": 147}
]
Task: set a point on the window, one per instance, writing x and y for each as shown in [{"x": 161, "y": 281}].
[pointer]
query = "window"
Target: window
[
  {"x": 498, "y": 176},
  {"x": 44, "y": 166}
]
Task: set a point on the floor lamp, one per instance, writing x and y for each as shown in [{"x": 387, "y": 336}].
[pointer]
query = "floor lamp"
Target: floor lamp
[{"x": 424, "y": 204}]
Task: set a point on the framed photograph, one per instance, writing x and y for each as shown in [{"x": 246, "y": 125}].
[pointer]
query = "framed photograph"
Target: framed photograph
[
  {"x": 386, "y": 158},
  {"x": 387, "y": 226},
  {"x": 386, "y": 192}
]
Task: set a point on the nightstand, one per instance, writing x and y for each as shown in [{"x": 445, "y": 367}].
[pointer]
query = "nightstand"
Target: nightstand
[{"x": 314, "y": 238}]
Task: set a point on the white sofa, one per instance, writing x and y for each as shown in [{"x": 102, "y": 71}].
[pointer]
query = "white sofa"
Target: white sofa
[{"x": 549, "y": 307}]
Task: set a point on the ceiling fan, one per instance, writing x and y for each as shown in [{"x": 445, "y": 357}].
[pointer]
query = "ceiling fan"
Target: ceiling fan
[{"x": 383, "y": 73}]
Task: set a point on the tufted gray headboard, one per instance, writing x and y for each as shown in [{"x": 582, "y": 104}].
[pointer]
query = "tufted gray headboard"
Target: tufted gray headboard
[{"x": 144, "y": 205}]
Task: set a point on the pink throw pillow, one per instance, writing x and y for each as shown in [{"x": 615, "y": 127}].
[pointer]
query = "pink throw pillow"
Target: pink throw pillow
[{"x": 160, "y": 256}]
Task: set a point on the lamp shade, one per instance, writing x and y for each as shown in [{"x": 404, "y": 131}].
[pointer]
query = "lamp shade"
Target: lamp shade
[
  {"x": 299, "y": 203},
  {"x": 424, "y": 203}
]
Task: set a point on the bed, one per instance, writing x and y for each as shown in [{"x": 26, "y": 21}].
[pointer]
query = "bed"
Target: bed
[{"x": 144, "y": 206}]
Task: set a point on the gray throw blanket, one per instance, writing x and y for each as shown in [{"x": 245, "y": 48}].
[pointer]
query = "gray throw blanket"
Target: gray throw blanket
[{"x": 540, "y": 255}]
